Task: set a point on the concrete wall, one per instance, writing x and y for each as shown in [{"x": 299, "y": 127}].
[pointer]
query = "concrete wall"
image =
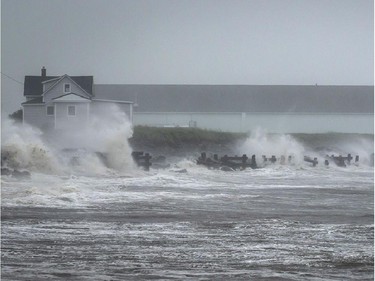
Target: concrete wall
[
  {"x": 272, "y": 122},
  {"x": 36, "y": 116}
]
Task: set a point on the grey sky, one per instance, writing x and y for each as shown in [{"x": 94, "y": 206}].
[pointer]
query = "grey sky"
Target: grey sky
[{"x": 329, "y": 42}]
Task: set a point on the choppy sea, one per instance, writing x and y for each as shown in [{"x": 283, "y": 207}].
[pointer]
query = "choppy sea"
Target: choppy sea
[{"x": 187, "y": 222}]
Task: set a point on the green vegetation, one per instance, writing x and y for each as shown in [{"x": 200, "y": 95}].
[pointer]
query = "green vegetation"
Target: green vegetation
[
  {"x": 323, "y": 138},
  {"x": 17, "y": 115},
  {"x": 180, "y": 139},
  {"x": 178, "y": 136}
]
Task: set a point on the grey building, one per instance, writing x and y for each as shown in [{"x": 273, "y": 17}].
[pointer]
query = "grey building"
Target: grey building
[
  {"x": 243, "y": 108},
  {"x": 61, "y": 102}
]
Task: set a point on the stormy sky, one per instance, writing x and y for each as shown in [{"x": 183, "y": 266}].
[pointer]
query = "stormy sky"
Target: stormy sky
[{"x": 275, "y": 42}]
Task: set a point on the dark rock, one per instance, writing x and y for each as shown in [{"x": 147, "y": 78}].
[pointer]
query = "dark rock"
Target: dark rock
[
  {"x": 226, "y": 169},
  {"x": 160, "y": 166},
  {"x": 159, "y": 159},
  {"x": 180, "y": 171},
  {"x": 20, "y": 174},
  {"x": 5, "y": 172}
]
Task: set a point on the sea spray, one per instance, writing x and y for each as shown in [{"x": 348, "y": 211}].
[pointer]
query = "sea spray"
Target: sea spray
[
  {"x": 22, "y": 147},
  {"x": 361, "y": 146},
  {"x": 112, "y": 131},
  {"x": 341, "y": 144},
  {"x": 312, "y": 145},
  {"x": 101, "y": 145},
  {"x": 100, "y": 148},
  {"x": 261, "y": 143}
]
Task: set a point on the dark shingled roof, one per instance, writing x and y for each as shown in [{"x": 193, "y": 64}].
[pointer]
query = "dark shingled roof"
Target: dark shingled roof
[
  {"x": 34, "y": 101},
  {"x": 242, "y": 98},
  {"x": 33, "y": 84}
]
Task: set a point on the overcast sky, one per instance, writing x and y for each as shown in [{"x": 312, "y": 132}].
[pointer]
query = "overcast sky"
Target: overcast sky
[{"x": 328, "y": 42}]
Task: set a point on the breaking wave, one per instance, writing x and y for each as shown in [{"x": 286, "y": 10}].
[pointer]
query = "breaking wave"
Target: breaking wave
[
  {"x": 261, "y": 143},
  {"x": 22, "y": 147},
  {"x": 315, "y": 145},
  {"x": 102, "y": 148}
]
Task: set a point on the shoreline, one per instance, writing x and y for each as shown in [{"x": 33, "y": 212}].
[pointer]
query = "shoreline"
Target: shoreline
[{"x": 182, "y": 141}]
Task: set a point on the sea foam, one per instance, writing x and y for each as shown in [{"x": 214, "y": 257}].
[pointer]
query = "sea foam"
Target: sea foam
[{"x": 100, "y": 148}]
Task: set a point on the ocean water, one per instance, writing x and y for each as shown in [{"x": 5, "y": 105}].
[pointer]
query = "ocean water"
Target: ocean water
[{"x": 85, "y": 221}]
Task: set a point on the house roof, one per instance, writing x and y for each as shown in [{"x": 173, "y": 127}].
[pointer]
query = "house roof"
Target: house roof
[
  {"x": 38, "y": 100},
  {"x": 33, "y": 84},
  {"x": 58, "y": 80},
  {"x": 242, "y": 98},
  {"x": 71, "y": 93}
]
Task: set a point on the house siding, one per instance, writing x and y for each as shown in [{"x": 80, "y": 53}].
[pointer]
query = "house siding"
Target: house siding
[
  {"x": 36, "y": 116},
  {"x": 66, "y": 122},
  {"x": 58, "y": 90}
]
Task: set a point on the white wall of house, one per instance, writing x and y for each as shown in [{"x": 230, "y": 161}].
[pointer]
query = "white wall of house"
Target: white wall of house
[
  {"x": 64, "y": 121},
  {"x": 58, "y": 90},
  {"x": 36, "y": 116},
  {"x": 272, "y": 122}
]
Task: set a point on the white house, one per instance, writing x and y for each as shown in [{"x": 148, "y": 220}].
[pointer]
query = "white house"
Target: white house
[{"x": 60, "y": 102}]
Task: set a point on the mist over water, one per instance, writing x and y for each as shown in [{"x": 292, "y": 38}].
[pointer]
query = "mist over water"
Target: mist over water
[{"x": 260, "y": 142}]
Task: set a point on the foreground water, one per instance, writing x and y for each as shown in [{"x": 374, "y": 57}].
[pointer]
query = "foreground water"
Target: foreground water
[{"x": 275, "y": 223}]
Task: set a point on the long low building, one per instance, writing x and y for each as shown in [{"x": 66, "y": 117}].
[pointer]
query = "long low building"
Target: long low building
[
  {"x": 243, "y": 108},
  {"x": 65, "y": 102}
]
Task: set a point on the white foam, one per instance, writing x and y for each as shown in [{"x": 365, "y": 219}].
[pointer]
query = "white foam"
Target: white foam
[
  {"x": 27, "y": 148},
  {"x": 23, "y": 148},
  {"x": 261, "y": 143}
]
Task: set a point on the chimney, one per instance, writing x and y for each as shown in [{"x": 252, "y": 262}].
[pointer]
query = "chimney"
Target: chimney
[{"x": 44, "y": 72}]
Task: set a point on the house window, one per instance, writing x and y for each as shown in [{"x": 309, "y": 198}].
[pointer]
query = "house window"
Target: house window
[
  {"x": 67, "y": 88},
  {"x": 71, "y": 110},
  {"x": 50, "y": 110}
]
